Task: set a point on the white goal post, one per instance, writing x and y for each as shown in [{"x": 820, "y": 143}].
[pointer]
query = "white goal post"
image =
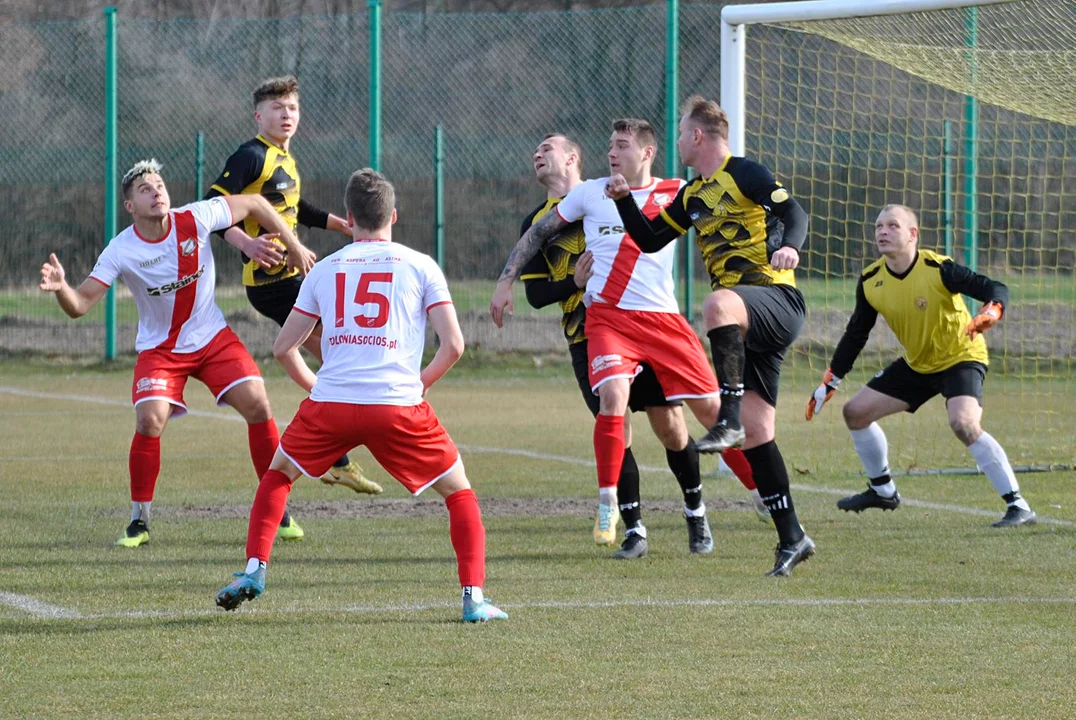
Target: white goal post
[{"x": 735, "y": 18}]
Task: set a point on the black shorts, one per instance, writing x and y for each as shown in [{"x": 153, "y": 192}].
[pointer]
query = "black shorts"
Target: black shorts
[
  {"x": 775, "y": 315},
  {"x": 646, "y": 391},
  {"x": 899, "y": 381},
  {"x": 275, "y": 300}
]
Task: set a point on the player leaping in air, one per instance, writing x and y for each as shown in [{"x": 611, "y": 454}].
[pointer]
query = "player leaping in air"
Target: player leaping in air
[
  {"x": 559, "y": 274},
  {"x": 918, "y": 292},
  {"x": 266, "y": 166},
  {"x": 166, "y": 260},
  {"x": 750, "y": 230},
  {"x": 373, "y": 298},
  {"x": 632, "y": 317}
]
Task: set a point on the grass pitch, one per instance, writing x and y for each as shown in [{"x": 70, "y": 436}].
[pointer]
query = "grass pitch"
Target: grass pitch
[{"x": 922, "y": 613}]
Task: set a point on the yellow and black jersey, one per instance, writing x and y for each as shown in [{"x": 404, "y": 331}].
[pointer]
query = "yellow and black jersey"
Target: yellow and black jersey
[
  {"x": 924, "y": 308},
  {"x": 741, "y": 215},
  {"x": 258, "y": 167},
  {"x": 550, "y": 276}
]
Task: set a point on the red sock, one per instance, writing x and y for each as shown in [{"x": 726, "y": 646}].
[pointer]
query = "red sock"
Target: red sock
[
  {"x": 468, "y": 536},
  {"x": 144, "y": 464},
  {"x": 265, "y": 516},
  {"x": 609, "y": 448},
  {"x": 264, "y": 439},
  {"x": 737, "y": 462}
]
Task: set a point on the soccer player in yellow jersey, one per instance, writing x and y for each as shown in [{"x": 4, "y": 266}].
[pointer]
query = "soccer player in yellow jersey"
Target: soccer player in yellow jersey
[
  {"x": 559, "y": 274},
  {"x": 918, "y": 292},
  {"x": 265, "y": 166},
  {"x": 750, "y": 230}
]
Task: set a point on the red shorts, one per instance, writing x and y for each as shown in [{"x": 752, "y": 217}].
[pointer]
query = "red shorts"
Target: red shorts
[
  {"x": 221, "y": 365},
  {"x": 408, "y": 441},
  {"x": 618, "y": 340}
]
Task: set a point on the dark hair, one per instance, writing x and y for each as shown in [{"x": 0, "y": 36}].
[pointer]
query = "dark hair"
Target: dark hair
[
  {"x": 641, "y": 130},
  {"x": 277, "y": 87},
  {"x": 370, "y": 199}
]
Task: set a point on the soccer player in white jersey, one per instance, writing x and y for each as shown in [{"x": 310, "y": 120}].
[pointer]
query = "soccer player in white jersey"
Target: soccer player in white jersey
[
  {"x": 632, "y": 314},
  {"x": 373, "y": 299},
  {"x": 166, "y": 261}
]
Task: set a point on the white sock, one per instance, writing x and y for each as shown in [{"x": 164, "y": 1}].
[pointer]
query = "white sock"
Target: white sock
[
  {"x": 252, "y": 565},
  {"x": 607, "y": 496},
  {"x": 991, "y": 459},
  {"x": 873, "y": 450},
  {"x": 474, "y": 592},
  {"x": 639, "y": 530},
  {"x": 140, "y": 511},
  {"x": 886, "y": 490},
  {"x": 700, "y": 512}
]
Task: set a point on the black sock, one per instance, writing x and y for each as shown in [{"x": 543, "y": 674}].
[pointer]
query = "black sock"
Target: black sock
[
  {"x": 883, "y": 480},
  {"x": 286, "y": 519},
  {"x": 1011, "y": 498},
  {"x": 727, "y": 349},
  {"x": 685, "y": 466},
  {"x": 628, "y": 491},
  {"x": 342, "y": 462},
  {"x": 771, "y": 476}
]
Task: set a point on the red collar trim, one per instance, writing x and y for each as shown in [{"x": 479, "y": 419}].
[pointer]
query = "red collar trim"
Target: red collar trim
[
  {"x": 369, "y": 240},
  {"x": 653, "y": 182},
  {"x": 143, "y": 238}
]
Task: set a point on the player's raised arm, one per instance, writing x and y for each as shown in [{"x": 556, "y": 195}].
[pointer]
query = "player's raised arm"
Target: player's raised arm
[
  {"x": 259, "y": 208},
  {"x": 527, "y": 247},
  {"x": 446, "y": 325},
  {"x": 848, "y": 348},
  {"x": 649, "y": 235},
  {"x": 74, "y": 302}
]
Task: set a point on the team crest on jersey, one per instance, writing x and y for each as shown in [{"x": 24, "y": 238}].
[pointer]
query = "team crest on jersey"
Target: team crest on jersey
[
  {"x": 921, "y": 303},
  {"x": 187, "y": 246},
  {"x": 662, "y": 199},
  {"x": 604, "y": 362}
]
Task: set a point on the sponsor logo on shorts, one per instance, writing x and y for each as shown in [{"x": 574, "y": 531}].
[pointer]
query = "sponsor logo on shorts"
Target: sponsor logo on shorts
[
  {"x": 779, "y": 195},
  {"x": 145, "y": 385},
  {"x": 879, "y": 374},
  {"x": 604, "y": 362}
]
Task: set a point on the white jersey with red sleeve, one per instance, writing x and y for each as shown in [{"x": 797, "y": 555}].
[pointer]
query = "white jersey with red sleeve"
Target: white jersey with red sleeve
[
  {"x": 372, "y": 298},
  {"x": 172, "y": 278},
  {"x": 624, "y": 276}
]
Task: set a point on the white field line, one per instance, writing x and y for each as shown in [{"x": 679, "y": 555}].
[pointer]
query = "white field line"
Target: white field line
[
  {"x": 581, "y": 462},
  {"x": 62, "y": 614},
  {"x": 37, "y": 608}
]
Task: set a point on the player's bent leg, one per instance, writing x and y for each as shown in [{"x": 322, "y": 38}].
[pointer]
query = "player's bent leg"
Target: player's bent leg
[
  {"x": 965, "y": 414},
  {"x": 726, "y": 318},
  {"x": 861, "y": 414},
  {"x": 469, "y": 542},
  {"x": 144, "y": 467},
  {"x": 265, "y": 515},
  {"x": 251, "y": 401}
]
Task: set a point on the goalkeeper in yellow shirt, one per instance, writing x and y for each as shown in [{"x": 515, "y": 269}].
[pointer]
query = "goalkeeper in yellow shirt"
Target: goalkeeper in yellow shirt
[{"x": 918, "y": 292}]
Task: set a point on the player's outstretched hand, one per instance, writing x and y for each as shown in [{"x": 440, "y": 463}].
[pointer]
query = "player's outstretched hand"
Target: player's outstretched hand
[
  {"x": 302, "y": 258},
  {"x": 584, "y": 268},
  {"x": 263, "y": 250},
  {"x": 785, "y": 258},
  {"x": 617, "y": 187},
  {"x": 501, "y": 304},
  {"x": 987, "y": 318},
  {"x": 52, "y": 275},
  {"x": 822, "y": 393}
]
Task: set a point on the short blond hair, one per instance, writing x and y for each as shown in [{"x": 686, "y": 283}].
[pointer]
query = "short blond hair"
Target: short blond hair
[
  {"x": 911, "y": 213},
  {"x": 139, "y": 169},
  {"x": 707, "y": 115}
]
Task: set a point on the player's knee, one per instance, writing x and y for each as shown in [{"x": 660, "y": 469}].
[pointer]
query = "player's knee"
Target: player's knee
[
  {"x": 150, "y": 425},
  {"x": 255, "y": 408},
  {"x": 855, "y": 415},
  {"x": 717, "y": 308},
  {"x": 966, "y": 429},
  {"x": 672, "y": 435}
]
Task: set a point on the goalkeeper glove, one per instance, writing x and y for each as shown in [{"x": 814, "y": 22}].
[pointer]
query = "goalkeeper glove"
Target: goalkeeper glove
[
  {"x": 822, "y": 393},
  {"x": 987, "y": 318}
]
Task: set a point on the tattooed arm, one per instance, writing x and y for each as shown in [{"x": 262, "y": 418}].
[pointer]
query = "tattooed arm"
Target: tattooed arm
[{"x": 527, "y": 247}]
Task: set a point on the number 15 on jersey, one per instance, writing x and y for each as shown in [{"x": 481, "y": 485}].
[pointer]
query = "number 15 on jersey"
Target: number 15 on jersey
[{"x": 365, "y": 296}]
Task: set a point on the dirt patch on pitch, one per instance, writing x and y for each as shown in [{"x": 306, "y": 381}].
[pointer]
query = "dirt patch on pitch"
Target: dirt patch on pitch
[{"x": 392, "y": 508}]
